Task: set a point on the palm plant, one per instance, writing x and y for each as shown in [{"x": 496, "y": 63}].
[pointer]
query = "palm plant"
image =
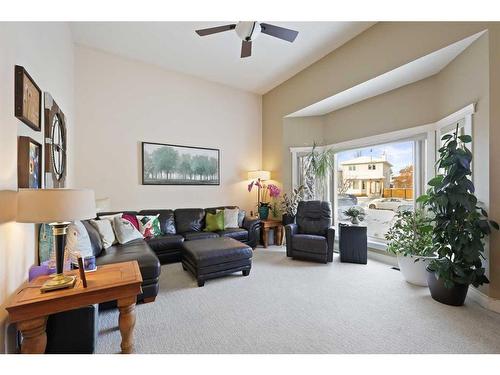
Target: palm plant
[{"x": 318, "y": 165}]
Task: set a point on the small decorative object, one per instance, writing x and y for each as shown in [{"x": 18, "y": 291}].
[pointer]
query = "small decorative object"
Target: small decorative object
[
  {"x": 28, "y": 99},
  {"x": 165, "y": 164},
  {"x": 29, "y": 163},
  {"x": 89, "y": 264},
  {"x": 356, "y": 214},
  {"x": 289, "y": 204},
  {"x": 55, "y": 144},
  {"x": 460, "y": 224},
  {"x": 57, "y": 207},
  {"x": 410, "y": 239},
  {"x": 82, "y": 272}
]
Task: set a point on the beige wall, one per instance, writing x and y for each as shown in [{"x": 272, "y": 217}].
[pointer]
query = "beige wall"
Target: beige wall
[
  {"x": 122, "y": 102},
  {"x": 471, "y": 77},
  {"x": 46, "y": 51}
]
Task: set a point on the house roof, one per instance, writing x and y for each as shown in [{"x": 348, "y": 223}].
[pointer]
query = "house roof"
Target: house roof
[{"x": 365, "y": 160}]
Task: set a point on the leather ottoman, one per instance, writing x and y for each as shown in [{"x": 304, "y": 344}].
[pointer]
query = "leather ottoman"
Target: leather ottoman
[{"x": 214, "y": 257}]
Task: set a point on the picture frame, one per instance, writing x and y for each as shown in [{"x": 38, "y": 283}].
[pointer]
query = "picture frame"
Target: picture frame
[
  {"x": 169, "y": 164},
  {"x": 29, "y": 163},
  {"x": 55, "y": 144},
  {"x": 27, "y": 99}
]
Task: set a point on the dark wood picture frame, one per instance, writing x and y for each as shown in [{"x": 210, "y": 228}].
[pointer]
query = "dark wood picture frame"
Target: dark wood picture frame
[
  {"x": 25, "y": 164},
  {"x": 215, "y": 181},
  {"x": 21, "y": 110}
]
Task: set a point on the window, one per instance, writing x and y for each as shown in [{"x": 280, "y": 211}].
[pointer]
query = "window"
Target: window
[
  {"x": 390, "y": 184},
  {"x": 379, "y": 195}
]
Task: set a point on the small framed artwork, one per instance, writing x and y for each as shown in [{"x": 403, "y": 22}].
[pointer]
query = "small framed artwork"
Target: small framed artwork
[
  {"x": 28, "y": 99},
  {"x": 166, "y": 164},
  {"x": 29, "y": 163}
]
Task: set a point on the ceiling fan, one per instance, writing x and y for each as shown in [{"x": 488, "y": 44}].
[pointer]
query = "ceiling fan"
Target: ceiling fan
[{"x": 248, "y": 31}]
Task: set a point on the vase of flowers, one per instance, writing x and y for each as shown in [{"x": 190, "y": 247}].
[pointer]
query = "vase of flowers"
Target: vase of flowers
[
  {"x": 289, "y": 204},
  {"x": 266, "y": 194}
]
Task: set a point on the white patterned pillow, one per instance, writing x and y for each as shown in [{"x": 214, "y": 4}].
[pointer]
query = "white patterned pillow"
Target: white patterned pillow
[
  {"x": 149, "y": 225},
  {"x": 125, "y": 230},
  {"x": 78, "y": 242}
]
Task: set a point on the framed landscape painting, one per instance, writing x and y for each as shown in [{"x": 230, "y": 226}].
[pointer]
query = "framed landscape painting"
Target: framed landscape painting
[{"x": 165, "y": 164}]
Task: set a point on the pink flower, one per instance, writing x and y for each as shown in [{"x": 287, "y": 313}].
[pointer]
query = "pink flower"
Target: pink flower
[
  {"x": 274, "y": 191},
  {"x": 250, "y": 186}
]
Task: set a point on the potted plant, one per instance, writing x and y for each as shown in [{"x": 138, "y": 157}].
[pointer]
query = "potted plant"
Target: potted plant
[
  {"x": 410, "y": 239},
  {"x": 289, "y": 204},
  {"x": 356, "y": 214},
  {"x": 317, "y": 168},
  {"x": 460, "y": 225},
  {"x": 264, "y": 190}
]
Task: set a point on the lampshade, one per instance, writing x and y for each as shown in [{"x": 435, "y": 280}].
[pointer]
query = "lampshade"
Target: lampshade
[
  {"x": 54, "y": 205},
  {"x": 263, "y": 175}
]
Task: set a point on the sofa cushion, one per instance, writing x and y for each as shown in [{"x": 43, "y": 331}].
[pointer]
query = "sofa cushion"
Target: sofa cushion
[
  {"x": 191, "y": 236},
  {"x": 189, "y": 220},
  {"x": 95, "y": 238},
  {"x": 135, "y": 250},
  {"x": 239, "y": 234},
  {"x": 309, "y": 243},
  {"x": 214, "y": 222},
  {"x": 166, "y": 242},
  {"x": 166, "y": 218}
]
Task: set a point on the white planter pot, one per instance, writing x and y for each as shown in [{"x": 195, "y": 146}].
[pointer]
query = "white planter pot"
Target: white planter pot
[{"x": 414, "y": 272}]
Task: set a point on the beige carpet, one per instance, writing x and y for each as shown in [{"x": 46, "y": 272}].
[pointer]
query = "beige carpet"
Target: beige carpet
[{"x": 288, "y": 306}]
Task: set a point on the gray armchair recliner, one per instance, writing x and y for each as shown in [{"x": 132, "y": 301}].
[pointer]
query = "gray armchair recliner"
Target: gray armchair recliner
[{"x": 313, "y": 236}]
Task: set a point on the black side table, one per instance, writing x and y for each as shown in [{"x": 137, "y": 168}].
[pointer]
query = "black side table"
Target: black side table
[{"x": 353, "y": 244}]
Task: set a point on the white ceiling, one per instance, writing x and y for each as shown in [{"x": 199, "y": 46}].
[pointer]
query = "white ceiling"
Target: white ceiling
[
  {"x": 175, "y": 46},
  {"x": 414, "y": 71}
]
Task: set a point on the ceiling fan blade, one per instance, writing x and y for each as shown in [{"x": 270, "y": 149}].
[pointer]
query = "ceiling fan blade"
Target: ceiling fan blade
[
  {"x": 214, "y": 30},
  {"x": 279, "y": 32},
  {"x": 246, "y": 48}
]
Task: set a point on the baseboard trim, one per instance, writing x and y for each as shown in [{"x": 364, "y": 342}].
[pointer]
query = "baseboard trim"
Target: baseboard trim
[{"x": 483, "y": 300}]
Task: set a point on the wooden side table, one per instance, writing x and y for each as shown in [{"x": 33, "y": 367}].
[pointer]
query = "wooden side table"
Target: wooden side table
[
  {"x": 30, "y": 307},
  {"x": 278, "y": 231}
]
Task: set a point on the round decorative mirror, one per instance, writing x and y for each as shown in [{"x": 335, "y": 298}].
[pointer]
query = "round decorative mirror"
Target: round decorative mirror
[{"x": 58, "y": 147}]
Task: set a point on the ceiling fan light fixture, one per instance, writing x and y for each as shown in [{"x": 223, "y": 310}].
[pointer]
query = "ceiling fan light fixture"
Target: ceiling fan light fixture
[{"x": 248, "y": 30}]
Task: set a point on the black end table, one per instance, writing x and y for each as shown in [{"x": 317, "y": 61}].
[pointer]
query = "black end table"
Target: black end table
[{"x": 353, "y": 244}]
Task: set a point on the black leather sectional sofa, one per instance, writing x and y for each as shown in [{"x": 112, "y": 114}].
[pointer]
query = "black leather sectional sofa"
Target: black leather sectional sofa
[{"x": 177, "y": 226}]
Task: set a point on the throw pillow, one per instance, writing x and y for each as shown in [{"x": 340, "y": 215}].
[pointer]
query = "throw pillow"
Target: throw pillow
[
  {"x": 132, "y": 219},
  {"x": 214, "y": 222},
  {"x": 231, "y": 218},
  {"x": 110, "y": 219},
  {"x": 78, "y": 242},
  {"x": 125, "y": 231},
  {"x": 241, "y": 217},
  {"x": 149, "y": 225},
  {"x": 105, "y": 232}
]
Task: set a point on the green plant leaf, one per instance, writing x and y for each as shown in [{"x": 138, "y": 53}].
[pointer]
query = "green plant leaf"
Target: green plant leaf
[{"x": 465, "y": 138}]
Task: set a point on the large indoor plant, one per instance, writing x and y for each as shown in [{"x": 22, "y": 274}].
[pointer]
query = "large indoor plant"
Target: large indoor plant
[
  {"x": 289, "y": 204},
  {"x": 317, "y": 166},
  {"x": 460, "y": 225},
  {"x": 410, "y": 239}
]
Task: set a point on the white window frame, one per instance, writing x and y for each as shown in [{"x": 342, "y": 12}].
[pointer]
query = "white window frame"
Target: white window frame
[{"x": 431, "y": 133}]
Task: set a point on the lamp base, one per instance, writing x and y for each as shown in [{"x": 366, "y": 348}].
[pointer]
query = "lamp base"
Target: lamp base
[{"x": 59, "y": 281}]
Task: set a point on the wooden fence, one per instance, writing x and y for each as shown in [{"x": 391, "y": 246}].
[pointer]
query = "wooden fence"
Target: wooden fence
[{"x": 405, "y": 193}]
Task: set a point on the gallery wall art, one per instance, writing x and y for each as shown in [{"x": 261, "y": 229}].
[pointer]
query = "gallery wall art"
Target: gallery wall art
[
  {"x": 55, "y": 144},
  {"x": 29, "y": 163},
  {"x": 166, "y": 164},
  {"x": 27, "y": 99}
]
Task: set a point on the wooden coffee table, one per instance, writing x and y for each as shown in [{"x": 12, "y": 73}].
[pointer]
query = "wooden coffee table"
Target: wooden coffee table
[
  {"x": 30, "y": 307},
  {"x": 277, "y": 225}
]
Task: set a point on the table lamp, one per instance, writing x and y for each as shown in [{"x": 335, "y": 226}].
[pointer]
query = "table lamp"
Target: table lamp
[{"x": 56, "y": 207}]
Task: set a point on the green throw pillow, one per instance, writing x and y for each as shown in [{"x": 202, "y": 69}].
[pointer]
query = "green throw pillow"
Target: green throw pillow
[{"x": 214, "y": 222}]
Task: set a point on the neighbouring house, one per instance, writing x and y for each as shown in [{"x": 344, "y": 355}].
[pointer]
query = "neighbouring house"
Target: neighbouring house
[{"x": 365, "y": 176}]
